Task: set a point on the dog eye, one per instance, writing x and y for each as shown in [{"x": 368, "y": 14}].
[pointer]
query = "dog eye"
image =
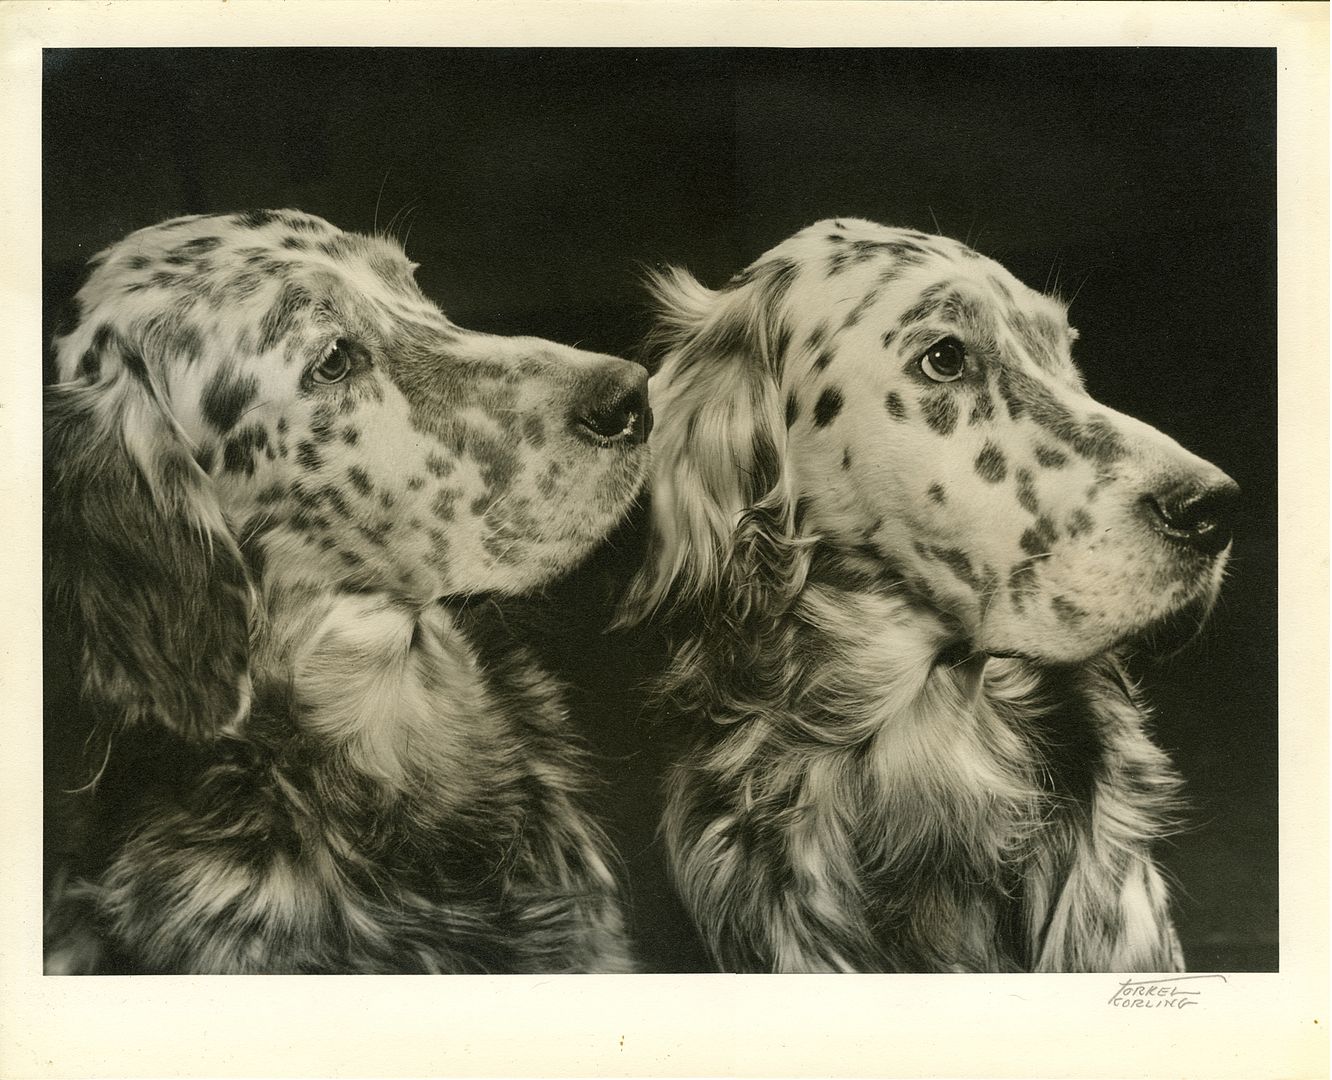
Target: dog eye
[
  {"x": 336, "y": 366},
  {"x": 944, "y": 360}
]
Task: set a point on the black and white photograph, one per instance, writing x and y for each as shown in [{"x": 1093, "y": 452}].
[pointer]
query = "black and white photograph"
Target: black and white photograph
[{"x": 543, "y": 510}]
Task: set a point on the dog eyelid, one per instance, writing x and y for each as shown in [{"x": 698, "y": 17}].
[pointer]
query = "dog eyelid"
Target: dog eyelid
[
  {"x": 945, "y": 360},
  {"x": 336, "y": 364}
]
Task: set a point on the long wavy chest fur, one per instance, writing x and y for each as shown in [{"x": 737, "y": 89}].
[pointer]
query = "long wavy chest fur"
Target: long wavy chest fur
[
  {"x": 866, "y": 802},
  {"x": 405, "y": 799}
]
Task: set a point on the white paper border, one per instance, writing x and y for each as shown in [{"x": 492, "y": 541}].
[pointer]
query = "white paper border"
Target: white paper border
[{"x": 719, "y": 1025}]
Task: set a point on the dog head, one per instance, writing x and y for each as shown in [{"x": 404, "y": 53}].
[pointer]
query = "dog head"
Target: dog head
[
  {"x": 262, "y": 396},
  {"x": 907, "y": 404}
]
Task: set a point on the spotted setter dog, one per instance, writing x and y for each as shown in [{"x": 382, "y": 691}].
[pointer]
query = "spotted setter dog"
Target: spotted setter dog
[
  {"x": 903, "y": 554},
  {"x": 284, "y": 493}
]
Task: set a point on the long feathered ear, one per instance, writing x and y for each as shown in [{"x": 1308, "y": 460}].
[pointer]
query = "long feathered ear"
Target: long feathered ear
[
  {"x": 139, "y": 558},
  {"x": 724, "y": 508}
]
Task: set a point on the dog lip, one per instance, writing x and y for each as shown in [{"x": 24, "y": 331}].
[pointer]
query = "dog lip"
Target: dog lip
[
  {"x": 636, "y": 428},
  {"x": 1025, "y": 658}
]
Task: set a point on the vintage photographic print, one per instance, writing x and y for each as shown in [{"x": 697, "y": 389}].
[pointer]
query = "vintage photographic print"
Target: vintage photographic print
[
  {"x": 537, "y": 510},
  {"x": 928, "y": 645}
]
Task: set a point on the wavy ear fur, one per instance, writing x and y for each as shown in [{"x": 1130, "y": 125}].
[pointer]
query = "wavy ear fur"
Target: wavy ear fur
[
  {"x": 139, "y": 558},
  {"x": 724, "y": 510}
]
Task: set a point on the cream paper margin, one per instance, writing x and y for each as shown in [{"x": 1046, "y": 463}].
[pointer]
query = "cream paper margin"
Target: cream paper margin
[{"x": 1251, "y": 1026}]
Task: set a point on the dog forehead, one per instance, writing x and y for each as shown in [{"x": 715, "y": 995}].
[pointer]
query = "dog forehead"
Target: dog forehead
[
  {"x": 838, "y": 245},
  {"x": 875, "y": 297},
  {"x": 977, "y": 285},
  {"x": 247, "y": 262},
  {"x": 269, "y": 244}
]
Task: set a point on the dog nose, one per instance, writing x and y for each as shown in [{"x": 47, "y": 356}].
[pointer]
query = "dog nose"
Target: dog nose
[
  {"x": 1194, "y": 516},
  {"x": 611, "y": 406}
]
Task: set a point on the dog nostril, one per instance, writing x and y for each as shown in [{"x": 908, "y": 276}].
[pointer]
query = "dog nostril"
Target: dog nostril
[
  {"x": 1199, "y": 518},
  {"x": 615, "y": 417},
  {"x": 616, "y": 409}
]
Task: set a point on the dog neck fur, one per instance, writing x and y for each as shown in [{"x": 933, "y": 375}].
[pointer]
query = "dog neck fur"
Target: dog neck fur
[
  {"x": 877, "y": 789},
  {"x": 397, "y": 690}
]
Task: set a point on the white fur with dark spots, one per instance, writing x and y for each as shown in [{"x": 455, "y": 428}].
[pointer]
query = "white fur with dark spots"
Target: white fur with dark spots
[
  {"x": 323, "y": 750},
  {"x": 916, "y": 748}
]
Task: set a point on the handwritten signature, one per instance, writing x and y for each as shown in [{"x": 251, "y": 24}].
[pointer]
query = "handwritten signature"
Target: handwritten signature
[{"x": 1160, "y": 993}]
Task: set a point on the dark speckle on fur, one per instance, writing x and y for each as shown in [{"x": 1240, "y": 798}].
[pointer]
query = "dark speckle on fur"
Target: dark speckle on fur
[
  {"x": 1050, "y": 458},
  {"x": 1094, "y": 438},
  {"x": 321, "y": 428},
  {"x": 438, "y": 465},
  {"x": 1079, "y": 522},
  {"x": 1031, "y": 542},
  {"x": 360, "y": 480},
  {"x": 827, "y": 407},
  {"x": 990, "y": 464},
  {"x": 792, "y": 409},
  {"x": 982, "y": 411},
  {"x": 272, "y": 494},
  {"x": 939, "y": 408},
  {"x": 857, "y": 313},
  {"x": 239, "y": 450},
  {"x": 333, "y": 498},
  {"x": 280, "y": 318},
  {"x": 1026, "y": 491},
  {"x": 135, "y": 365},
  {"x": 227, "y": 395},
  {"x": 254, "y": 219},
  {"x": 444, "y": 502},
  {"x": 376, "y": 534},
  {"x": 534, "y": 431},
  {"x": 335, "y": 248},
  {"x": 959, "y": 563},
  {"x": 90, "y": 365},
  {"x": 308, "y": 456},
  {"x": 1022, "y": 582},
  {"x": 1066, "y": 611},
  {"x": 1039, "y": 539}
]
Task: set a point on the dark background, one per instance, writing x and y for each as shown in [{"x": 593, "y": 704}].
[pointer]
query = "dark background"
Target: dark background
[{"x": 539, "y": 183}]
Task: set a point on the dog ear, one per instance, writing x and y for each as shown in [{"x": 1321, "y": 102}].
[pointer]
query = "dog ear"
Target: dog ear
[
  {"x": 139, "y": 558},
  {"x": 724, "y": 508}
]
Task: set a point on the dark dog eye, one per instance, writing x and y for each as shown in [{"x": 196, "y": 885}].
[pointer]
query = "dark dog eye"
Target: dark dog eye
[
  {"x": 945, "y": 360},
  {"x": 336, "y": 366}
]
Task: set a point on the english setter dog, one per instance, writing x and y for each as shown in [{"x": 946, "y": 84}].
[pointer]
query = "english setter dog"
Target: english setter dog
[
  {"x": 904, "y": 553},
  {"x": 282, "y": 491}
]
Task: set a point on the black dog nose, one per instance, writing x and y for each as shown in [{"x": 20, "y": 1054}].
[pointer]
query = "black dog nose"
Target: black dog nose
[
  {"x": 611, "y": 407},
  {"x": 1200, "y": 518}
]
